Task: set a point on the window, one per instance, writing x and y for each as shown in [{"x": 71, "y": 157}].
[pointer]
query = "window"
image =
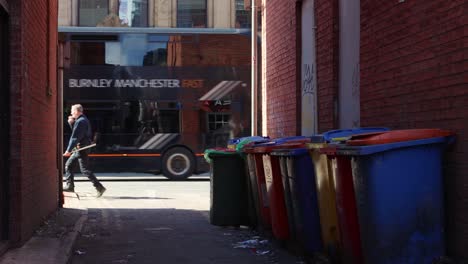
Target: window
[
  {"x": 113, "y": 13},
  {"x": 104, "y": 118},
  {"x": 87, "y": 53},
  {"x": 133, "y": 13},
  {"x": 169, "y": 121},
  {"x": 217, "y": 121},
  {"x": 191, "y": 13},
  {"x": 243, "y": 17},
  {"x": 163, "y": 50},
  {"x": 92, "y": 12},
  {"x": 157, "y": 55},
  {"x": 127, "y": 50},
  {"x": 151, "y": 117}
]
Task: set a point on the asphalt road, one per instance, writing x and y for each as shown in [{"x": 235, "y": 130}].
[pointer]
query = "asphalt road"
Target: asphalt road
[{"x": 158, "y": 221}]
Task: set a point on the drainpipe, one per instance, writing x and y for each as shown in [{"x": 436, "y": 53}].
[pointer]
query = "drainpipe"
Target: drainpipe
[{"x": 254, "y": 97}]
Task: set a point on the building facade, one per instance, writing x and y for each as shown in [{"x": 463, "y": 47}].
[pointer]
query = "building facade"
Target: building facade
[
  {"x": 397, "y": 64},
  {"x": 29, "y": 167},
  {"x": 154, "y": 13}
]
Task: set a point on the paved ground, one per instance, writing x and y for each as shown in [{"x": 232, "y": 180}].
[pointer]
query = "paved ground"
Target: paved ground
[
  {"x": 163, "y": 222},
  {"x": 53, "y": 241},
  {"x": 154, "y": 221}
]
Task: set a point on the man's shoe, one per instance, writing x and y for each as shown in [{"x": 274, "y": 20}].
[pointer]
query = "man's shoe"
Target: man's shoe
[
  {"x": 100, "y": 191},
  {"x": 69, "y": 188}
]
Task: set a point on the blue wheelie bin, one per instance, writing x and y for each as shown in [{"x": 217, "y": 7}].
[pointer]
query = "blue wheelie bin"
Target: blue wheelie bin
[
  {"x": 269, "y": 179},
  {"x": 326, "y": 180},
  {"x": 301, "y": 197},
  {"x": 398, "y": 185}
]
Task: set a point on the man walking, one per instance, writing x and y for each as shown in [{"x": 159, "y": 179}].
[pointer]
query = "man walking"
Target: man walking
[{"x": 80, "y": 137}]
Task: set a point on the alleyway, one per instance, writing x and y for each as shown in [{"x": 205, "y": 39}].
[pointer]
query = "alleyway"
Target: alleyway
[{"x": 162, "y": 222}]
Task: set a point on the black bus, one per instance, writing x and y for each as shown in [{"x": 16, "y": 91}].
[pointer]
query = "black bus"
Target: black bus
[{"x": 156, "y": 101}]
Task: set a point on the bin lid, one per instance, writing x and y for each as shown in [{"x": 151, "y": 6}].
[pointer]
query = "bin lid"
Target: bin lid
[
  {"x": 290, "y": 152},
  {"x": 234, "y": 141},
  {"x": 286, "y": 146},
  {"x": 218, "y": 152},
  {"x": 396, "y": 136},
  {"x": 347, "y": 150},
  {"x": 291, "y": 139},
  {"x": 286, "y": 142},
  {"x": 330, "y": 149},
  {"x": 275, "y": 147},
  {"x": 247, "y": 141},
  {"x": 344, "y": 134}
]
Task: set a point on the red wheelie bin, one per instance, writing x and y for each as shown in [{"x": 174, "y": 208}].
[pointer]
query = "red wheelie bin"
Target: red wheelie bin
[{"x": 273, "y": 182}]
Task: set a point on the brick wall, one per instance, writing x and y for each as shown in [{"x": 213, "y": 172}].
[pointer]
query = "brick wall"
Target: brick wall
[
  {"x": 282, "y": 65},
  {"x": 414, "y": 72},
  {"x": 413, "y": 75},
  {"x": 209, "y": 50},
  {"x": 282, "y": 70},
  {"x": 34, "y": 177},
  {"x": 326, "y": 16}
]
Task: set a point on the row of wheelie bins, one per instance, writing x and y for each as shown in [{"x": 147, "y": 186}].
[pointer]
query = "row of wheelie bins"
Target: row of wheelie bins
[{"x": 367, "y": 195}]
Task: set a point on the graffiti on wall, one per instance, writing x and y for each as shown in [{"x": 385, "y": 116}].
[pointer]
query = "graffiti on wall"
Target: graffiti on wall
[
  {"x": 308, "y": 99},
  {"x": 308, "y": 77}
]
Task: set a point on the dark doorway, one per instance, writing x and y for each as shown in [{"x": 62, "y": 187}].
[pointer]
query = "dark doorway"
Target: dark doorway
[{"x": 4, "y": 124}]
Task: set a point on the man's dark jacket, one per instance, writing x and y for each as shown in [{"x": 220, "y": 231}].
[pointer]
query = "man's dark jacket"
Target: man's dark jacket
[{"x": 81, "y": 133}]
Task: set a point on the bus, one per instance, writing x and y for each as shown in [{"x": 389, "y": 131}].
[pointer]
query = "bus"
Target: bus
[{"x": 157, "y": 100}]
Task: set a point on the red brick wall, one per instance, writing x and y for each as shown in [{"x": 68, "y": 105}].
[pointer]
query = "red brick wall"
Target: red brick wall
[
  {"x": 414, "y": 72},
  {"x": 34, "y": 177},
  {"x": 282, "y": 68},
  {"x": 326, "y": 17},
  {"x": 209, "y": 50},
  {"x": 283, "y": 61}
]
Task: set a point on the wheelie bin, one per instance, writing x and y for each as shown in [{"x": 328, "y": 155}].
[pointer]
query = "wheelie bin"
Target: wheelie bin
[
  {"x": 325, "y": 184},
  {"x": 290, "y": 200},
  {"x": 273, "y": 209},
  {"x": 254, "y": 190},
  {"x": 229, "y": 204},
  {"x": 398, "y": 185},
  {"x": 239, "y": 144},
  {"x": 257, "y": 175},
  {"x": 301, "y": 197},
  {"x": 348, "y": 225}
]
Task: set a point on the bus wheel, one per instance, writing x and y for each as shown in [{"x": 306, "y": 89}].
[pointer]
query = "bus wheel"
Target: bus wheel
[{"x": 178, "y": 164}]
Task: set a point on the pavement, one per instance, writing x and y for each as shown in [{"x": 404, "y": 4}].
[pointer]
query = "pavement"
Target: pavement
[
  {"x": 177, "y": 209},
  {"x": 53, "y": 242}
]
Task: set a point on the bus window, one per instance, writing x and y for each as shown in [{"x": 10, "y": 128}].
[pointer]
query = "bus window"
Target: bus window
[
  {"x": 142, "y": 50},
  {"x": 143, "y": 119},
  {"x": 105, "y": 122},
  {"x": 169, "y": 121},
  {"x": 87, "y": 53}
]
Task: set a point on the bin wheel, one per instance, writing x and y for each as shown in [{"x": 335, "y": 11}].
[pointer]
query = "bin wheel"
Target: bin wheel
[{"x": 178, "y": 164}]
